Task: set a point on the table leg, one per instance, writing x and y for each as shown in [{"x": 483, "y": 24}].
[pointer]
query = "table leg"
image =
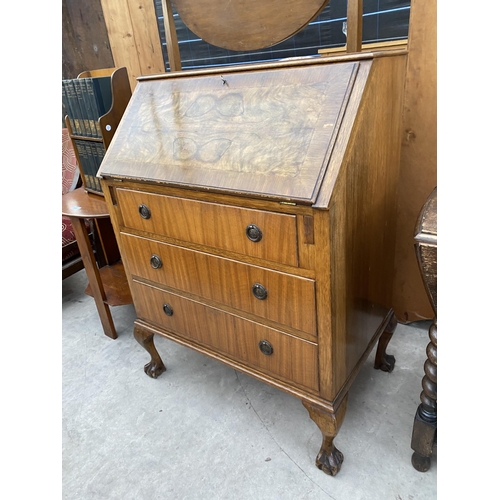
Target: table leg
[
  {"x": 425, "y": 423},
  {"x": 93, "y": 276},
  {"x": 107, "y": 240}
]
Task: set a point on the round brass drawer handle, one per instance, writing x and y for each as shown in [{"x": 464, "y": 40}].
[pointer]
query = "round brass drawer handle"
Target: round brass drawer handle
[
  {"x": 144, "y": 211},
  {"x": 253, "y": 233},
  {"x": 155, "y": 261},
  {"x": 167, "y": 309},
  {"x": 259, "y": 291},
  {"x": 265, "y": 347}
]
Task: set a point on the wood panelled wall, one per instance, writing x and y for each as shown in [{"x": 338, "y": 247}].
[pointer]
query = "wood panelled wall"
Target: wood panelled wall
[
  {"x": 134, "y": 38},
  {"x": 418, "y": 174},
  {"x": 107, "y": 33},
  {"x": 85, "y": 42}
]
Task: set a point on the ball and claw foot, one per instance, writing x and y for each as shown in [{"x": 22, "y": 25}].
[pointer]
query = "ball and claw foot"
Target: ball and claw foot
[
  {"x": 384, "y": 361},
  {"x": 329, "y": 459},
  {"x": 387, "y": 363},
  {"x": 154, "y": 369},
  {"x": 330, "y": 463},
  {"x": 146, "y": 339}
]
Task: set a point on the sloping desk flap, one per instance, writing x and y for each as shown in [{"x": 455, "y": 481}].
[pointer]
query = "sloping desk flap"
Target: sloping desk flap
[{"x": 263, "y": 133}]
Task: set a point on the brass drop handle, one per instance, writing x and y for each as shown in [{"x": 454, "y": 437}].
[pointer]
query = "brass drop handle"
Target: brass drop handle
[
  {"x": 266, "y": 347},
  {"x": 144, "y": 211},
  {"x": 167, "y": 309},
  {"x": 155, "y": 261},
  {"x": 259, "y": 291},
  {"x": 253, "y": 233}
]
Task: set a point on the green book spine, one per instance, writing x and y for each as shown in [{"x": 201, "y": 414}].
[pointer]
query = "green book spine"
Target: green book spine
[
  {"x": 78, "y": 108},
  {"x": 74, "y": 107},
  {"x": 87, "y": 99},
  {"x": 92, "y": 166},
  {"x": 98, "y": 157},
  {"x": 93, "y": 106},
  {"x": 83, "y": 111},
  {"x": 84, "y": 162},
  {"x": 100, "y": 152},
  {"x": 67, "y": 107}
]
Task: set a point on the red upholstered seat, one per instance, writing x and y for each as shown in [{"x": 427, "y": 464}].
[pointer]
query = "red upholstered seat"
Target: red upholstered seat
[
  {"x": 70, "y": 177},
  {"x": 70, "y": 171},
  {"x": 69, "y": 250}
]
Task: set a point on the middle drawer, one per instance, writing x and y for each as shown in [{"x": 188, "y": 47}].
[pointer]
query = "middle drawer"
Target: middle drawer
[{"x": 283, "y": 298}]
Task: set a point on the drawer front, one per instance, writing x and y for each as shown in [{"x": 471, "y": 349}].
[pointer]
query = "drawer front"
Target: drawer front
[
  {"x": 287, "y": 357},
  {"x": 279, "y": 297},
  {"x": 266, "y": 235}
]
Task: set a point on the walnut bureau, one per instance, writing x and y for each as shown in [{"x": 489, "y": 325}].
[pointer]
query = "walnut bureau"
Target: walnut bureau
[{"x": 254, "y": 208}]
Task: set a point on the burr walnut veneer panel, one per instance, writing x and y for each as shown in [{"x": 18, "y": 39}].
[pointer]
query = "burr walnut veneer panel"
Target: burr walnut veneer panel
[{"x": 266, "y": 136}]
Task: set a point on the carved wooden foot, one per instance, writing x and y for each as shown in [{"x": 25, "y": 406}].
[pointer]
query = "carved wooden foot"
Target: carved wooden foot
[
  {"x": 384, "y": 361},
  {"x": 155, "y": 367},
  {"x": 420, "y": 463},
  {"x": 329, "y": 459}
]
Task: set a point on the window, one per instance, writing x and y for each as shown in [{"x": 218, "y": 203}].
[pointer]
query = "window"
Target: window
[{"x": 383, "y": 20}]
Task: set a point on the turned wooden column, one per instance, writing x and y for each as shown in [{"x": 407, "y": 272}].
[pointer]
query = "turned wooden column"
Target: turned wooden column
[{"x": 425, "y": 424}]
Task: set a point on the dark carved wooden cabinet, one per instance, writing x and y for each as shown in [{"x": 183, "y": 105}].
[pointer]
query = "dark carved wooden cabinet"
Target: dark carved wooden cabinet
[
  {"x": 255, "y": 212},
  {"x": 424, "y": 434}
]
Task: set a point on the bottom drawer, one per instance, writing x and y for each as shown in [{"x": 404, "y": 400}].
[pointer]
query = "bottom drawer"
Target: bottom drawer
[{"x": 254, "y": 344}]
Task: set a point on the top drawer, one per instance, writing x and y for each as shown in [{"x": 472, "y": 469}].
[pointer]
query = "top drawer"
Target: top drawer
[{"x": 266, "y": 235}]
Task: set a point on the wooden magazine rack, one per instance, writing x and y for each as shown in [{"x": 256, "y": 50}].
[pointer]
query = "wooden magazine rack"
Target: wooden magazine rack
[{"x": 108, "y": 123}]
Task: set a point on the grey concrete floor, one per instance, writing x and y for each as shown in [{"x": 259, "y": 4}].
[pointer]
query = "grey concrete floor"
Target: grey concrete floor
[{"x": 204, "y": 431}]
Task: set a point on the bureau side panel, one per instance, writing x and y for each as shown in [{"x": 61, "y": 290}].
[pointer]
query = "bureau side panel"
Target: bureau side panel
[
  {"x": 368, "y": 193},
  {"x": 330, "y": 251}
]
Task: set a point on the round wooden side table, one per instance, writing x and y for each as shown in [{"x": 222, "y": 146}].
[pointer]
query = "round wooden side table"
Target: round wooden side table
[{"x": 108, "y": 284}]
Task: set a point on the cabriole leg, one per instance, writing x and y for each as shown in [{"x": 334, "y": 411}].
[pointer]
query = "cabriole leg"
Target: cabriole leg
[
  {"x": 329, "y": 459},
  {"x": 155, "y": 367},
  {"x": 384, "y": 361}
]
